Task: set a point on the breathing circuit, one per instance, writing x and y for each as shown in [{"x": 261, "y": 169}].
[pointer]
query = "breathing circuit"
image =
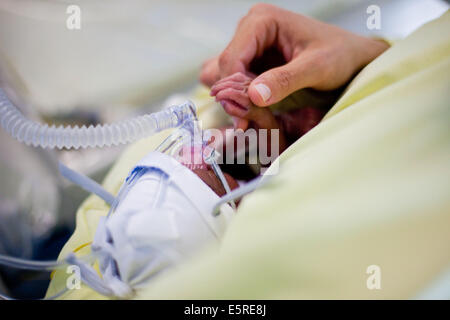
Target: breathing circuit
[
  {"x": 123, "y": 132},
  {"x": 127, "y": 131},
  {"x": 188, "y": 134}
]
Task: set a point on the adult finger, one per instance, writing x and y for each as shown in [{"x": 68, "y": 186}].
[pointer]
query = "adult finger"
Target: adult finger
[
  {"x": 276, "y": 84},
  {"x": 255, "y": 32},
  {"x": 210, "y": 72}
]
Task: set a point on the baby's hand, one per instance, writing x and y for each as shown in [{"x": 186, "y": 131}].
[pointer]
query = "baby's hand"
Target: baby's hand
[{"x": 231, "y": 93}]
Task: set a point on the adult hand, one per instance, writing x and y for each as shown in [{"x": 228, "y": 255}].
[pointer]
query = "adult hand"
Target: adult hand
[{"x": 317, "y": 55}]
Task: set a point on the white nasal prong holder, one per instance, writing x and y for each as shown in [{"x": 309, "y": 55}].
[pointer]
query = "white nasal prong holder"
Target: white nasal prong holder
[{"x": 161, "y": 216}]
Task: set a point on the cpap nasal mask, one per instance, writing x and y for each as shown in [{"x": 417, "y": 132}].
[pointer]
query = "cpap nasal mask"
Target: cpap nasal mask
[{"x": 163, "y": 213}]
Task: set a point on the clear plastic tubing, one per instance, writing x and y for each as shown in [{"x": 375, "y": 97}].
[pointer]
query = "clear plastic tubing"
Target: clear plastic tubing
[{"x": 123, "y": 132}]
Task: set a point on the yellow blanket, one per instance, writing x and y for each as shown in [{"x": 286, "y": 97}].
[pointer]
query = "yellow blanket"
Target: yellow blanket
[{"x": 368, "y": 186}]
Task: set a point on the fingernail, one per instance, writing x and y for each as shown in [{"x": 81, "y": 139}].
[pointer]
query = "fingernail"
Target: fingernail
[{"x": 264, "y": 91}]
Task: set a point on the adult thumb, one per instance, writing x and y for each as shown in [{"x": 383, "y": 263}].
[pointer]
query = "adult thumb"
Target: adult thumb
[{"x": 276, "y": 84}]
